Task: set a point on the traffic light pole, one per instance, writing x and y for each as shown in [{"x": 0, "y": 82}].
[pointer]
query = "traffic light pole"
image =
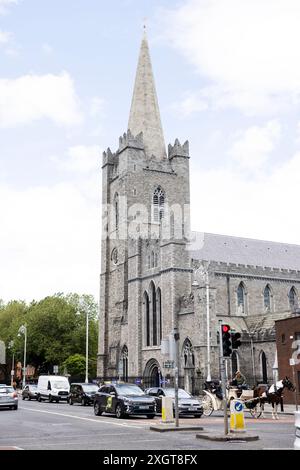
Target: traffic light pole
[{"x": 224, "y": 381}]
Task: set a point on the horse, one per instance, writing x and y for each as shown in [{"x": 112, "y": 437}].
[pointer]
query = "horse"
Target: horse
[{"x": 273, "y": 395}]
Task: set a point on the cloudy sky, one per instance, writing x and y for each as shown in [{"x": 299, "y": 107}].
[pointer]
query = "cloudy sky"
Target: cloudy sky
[{"x": 228, "y": 79}]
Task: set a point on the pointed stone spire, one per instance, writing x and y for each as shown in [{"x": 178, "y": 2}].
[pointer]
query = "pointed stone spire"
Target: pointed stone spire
[{"x": 144, "y": 113}]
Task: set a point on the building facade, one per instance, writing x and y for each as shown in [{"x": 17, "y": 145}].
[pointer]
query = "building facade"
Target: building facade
[
  {"x": 156, "y": 275},
  {"x": 288, "y": 348}
]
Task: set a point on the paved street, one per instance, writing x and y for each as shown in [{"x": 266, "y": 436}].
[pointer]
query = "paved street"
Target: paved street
[{"x": 60, "y": 426}]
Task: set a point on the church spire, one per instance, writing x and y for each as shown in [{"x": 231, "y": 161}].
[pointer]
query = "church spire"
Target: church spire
[{"x": 144, "y": 114}]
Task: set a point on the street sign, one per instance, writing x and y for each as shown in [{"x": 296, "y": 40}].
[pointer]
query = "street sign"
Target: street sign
[
  {"x": 55, "y": 369},
  {"x": 168, "y": 364}
]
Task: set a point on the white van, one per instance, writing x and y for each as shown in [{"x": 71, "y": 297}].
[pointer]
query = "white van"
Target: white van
[{"x": 53, "y": 388}]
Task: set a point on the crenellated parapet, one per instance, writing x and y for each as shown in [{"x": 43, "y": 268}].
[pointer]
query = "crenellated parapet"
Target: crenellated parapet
[
  {"x": 178, "y": 150},
  {"x": 109, "y": 158},
  {"x": 128, "y": 140}
]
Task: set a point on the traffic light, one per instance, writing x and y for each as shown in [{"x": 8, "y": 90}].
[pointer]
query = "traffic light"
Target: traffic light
[
  {"x": 226, "y": 341},
  {"x": 235, "y": 340}
]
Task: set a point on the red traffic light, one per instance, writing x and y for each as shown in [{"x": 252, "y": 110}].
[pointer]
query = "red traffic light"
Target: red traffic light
[{"x": 225, "y": 328}]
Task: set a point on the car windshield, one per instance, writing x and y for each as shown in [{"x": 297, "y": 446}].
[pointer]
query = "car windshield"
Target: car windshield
[
  {"x": 60, "y": 385},
  {"x": 129, "y": 390},
  {"x": 32, "y": 387},
  {"x": 90, "y": 388},
  {"x": 5, "y": 390},
  {"x": 170, "y": 392}
]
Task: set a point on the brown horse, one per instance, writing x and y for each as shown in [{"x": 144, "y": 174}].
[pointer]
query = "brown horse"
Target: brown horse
[{"x": 273, "y": 395}]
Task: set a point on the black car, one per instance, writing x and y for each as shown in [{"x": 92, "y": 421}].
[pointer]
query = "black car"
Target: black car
[
  {"x": 29, "y": 392},
  {"x": 82, "y": 393},
  {"x": 187, "y": 404},
  {"x": 123, "y": 400}
]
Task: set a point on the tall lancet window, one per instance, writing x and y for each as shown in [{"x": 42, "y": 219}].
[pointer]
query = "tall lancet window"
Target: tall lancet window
[
  {"x": 154, "y": 314},
  {"x": 116, "y": 211},
  {"x": 241, "y": 299},
  {"x": 293, "y": 300},
  {"x": 158, "y": 204},
  {"x": 267, "y": 298},
  {"x": 146, "y": 304}
]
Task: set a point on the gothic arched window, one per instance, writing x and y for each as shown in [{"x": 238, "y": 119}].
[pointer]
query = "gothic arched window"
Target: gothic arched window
[
  {"x": 154, "y": 314},
  {"x": 146, "y": 319},
  {"x": 241, "y": 298},
  {"x": 267, "y": 298},
  {"x": 124, "y": 360},
  {"x": 159, "y": 314},
  {"x": 293, "y": 300},
  {"x": 116, "y": 210},
  {"x": 158, "y": 204}
]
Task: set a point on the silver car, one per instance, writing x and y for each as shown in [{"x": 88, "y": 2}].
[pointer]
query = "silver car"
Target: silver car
[{"x": 8, "y": 397}]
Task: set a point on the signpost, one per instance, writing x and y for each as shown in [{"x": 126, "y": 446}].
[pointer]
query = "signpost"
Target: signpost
[
  {"x": 293, "y": 364},
  {"x": 55, "y": 370}
]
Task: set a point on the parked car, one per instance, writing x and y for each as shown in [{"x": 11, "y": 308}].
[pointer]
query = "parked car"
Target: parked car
[
  {"x": 53, "y": 388},
  {"x": 82, "y": 393},
  {"x": 187, "y": 404},
  {"x": 8, "y": 397},
  {"x": 30, "y": 392},
  {"x": 123, "y": 399}
]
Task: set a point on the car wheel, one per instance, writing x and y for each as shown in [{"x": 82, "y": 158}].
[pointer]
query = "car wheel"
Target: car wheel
[
  {"x": 198, "y": 416},
  {"x": 150, "y": 416},
  {"x": 70, "y": 401},
  {"x": 50, "y": 399},
  {"x": 29, "y": 398},
  {"x": 97, "y": 409},
  {"x": 23, "y": 398},
  {"x": 15, "y": 407},
  {"x": 83, "y": 402},
  {"x": 39, "y": 398},
  {"x": 119, "y": 412}
]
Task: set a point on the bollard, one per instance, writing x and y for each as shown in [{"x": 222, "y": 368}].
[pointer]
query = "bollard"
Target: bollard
[
  {"x": 297, "y": 426},
  {"x": 167, "y": 410},
  {"x": 237, "y": 419}
]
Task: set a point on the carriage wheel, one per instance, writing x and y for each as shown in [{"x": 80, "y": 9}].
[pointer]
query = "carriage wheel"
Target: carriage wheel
[
  {"x": 208, "y": 406},
  {"x": 256, "y": 412}
]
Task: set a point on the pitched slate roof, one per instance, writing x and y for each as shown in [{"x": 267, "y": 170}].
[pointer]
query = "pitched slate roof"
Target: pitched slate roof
[{"x": 228, "y": 249}]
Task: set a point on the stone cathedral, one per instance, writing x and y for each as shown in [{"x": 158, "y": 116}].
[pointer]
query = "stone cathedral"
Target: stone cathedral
[{"x": 156, "y": 275}]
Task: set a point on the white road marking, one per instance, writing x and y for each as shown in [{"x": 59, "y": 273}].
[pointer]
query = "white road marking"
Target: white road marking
[{"x": 99, "y": 421}]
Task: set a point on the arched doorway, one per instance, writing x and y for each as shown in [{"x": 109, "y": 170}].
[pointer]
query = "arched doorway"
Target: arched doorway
[
  {"x": 264, "y": 367},
  {"x": 152, "y": 374}
]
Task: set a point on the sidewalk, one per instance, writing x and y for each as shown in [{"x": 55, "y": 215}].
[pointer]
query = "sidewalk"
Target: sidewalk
[{"x": 288, "y": 409}]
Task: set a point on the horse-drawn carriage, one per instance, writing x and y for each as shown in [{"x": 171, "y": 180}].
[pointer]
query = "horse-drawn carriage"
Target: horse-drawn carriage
[
  {"x": 213, "y": 399},
  {"x": 254, "y": 400}
]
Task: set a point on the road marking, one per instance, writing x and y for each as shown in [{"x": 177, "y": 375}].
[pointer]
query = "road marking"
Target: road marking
[
  {"x": 11, "y": 448},
  {"x": 99, "y": 421}
]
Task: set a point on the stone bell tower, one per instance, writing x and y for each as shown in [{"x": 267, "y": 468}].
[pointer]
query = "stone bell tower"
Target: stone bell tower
[{"x": 145, "y": 222}]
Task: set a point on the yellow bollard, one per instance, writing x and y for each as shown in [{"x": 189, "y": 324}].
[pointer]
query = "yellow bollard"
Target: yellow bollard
[
  {"x": 167, "y": 410},
  {"x": 237, "y": 419}
]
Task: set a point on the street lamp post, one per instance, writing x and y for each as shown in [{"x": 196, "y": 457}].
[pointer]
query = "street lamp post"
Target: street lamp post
[
  {"x": 204, "y": 274},
  {"x": 23, "y": 330},
  {"x": 87, "y": 350}
]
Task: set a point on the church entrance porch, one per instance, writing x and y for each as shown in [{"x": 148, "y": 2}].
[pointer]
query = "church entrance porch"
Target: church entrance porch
[{"x": 152, "y": 374}]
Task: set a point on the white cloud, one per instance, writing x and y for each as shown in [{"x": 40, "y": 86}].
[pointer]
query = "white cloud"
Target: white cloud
[
  {"x": 4, "y": 37},
  {"x": 33, "y": 97},
  {"x": 247, "y": 49},
  {"x": 191, "y": 103},
  {"x": 5, "y": 4},
  {"x": 262, "y": 208},
  {"x": 50, "y": 242},
  {"x": 253, "y": 146},
  {"x": 81, "y": 158}
]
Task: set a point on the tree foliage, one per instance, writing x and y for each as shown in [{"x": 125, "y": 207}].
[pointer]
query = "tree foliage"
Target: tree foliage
[{"x": 56, "y": 328}]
